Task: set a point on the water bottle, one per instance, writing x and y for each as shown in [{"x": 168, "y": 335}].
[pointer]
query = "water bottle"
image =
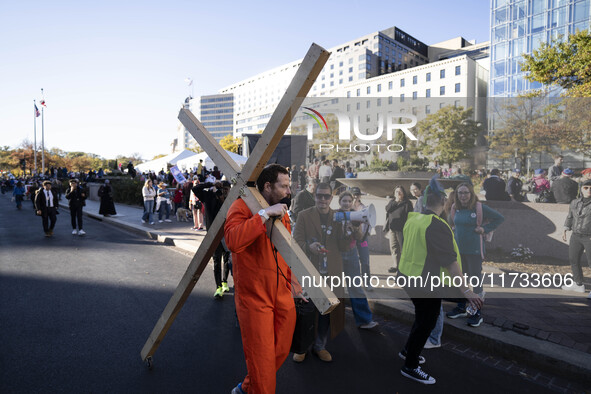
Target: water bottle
[{"x": 470, "y": 309}]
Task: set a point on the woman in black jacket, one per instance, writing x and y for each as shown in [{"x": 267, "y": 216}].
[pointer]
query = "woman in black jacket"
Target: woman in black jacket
[{"x": 396, "y": 214}]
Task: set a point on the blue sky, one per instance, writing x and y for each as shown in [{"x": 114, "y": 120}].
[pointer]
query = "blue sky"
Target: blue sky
[{"x": 113, "y": 71}]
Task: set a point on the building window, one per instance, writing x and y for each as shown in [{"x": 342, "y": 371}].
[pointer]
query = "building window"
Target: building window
[
  {"x": 402, "y": 98},
  {"x": 427, "y": 109},
  {"x": 390, "y": 85},
  {"x": 367, "y": 118},
  {"x": 457, "y": 88},
  {"x": 458, "y": 70},
  {"x": 340, "y": 64},
  {"x": 442, "y": 90},
  {"x": 428, "y": 93},
  {"x": 350, "y": 79},
  {"x": 414, "y": 95},
  {"x": 457, "y": 103},
  {"x": 369, "y": 90},
  {"x": 358, "y": 92},
  {"x": 402, "y": 83},
  {"x": 331, "y": 83},
  {"x": 323, "y": 86},
  {"x": 368, "y": 104},
  {"x": 332, "y": 75},
  {"x": 350, "y": 60},
  {"x": 332, "y": 66},
  {"x": 414, "y": 80},
  {"x": 442, "y": 74},
  {"x": 428, "y": 77},
  {"x": 358, "y": 106},
  {"x": 348, "y": 107},
  {"x": 341, "y": 72},
  {"x": 379, "y": 87},
  {"x": 390, "y": 100},
  {"x": 379, "y": 103},
  {"x": 350, "y": 69},
  {"x": 341, "y": 81},
  {"x": 361, "y": 66},
  {"x": 349, "y": 93}
]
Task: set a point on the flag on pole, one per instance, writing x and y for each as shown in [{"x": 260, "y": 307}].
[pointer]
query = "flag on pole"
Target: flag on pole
[
  {"x": 43, "y": 103},
  {"x": 37, "y": 113}
]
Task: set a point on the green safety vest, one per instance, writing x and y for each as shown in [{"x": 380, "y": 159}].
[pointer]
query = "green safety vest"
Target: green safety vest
[{"x": 414, "y": 247}]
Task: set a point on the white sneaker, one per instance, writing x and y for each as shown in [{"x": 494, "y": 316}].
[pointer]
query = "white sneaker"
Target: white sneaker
[
  {"x": 151, "y": 222},
  {"x": 431, "y": 345},
  {"x": 143, "y": 221},
  {"x": 369, "y": 325},
  {"x": 81, "y": 232},
  {"x": 574, "y": 287},
  {"x": 159, "y": 221},
  {"x": 74, "y": 232},
  {"x": 167, "y": 220}
]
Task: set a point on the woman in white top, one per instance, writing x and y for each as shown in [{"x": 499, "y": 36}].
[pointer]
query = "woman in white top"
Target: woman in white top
[{"x": 149, "y": 193}]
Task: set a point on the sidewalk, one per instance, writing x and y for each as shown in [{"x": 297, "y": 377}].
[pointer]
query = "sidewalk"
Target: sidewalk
[{"x": 546, "y": 329}]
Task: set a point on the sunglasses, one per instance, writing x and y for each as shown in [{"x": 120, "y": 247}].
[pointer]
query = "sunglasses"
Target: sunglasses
[{"x": 323, "y": 196}]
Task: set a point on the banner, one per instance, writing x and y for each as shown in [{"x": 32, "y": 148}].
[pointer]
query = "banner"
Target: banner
[{"x": 177, "y": 174}]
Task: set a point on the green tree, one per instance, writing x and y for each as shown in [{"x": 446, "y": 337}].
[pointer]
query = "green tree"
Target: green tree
[
  {"x": 563, "y": 63},
  {"x": 447, "y": 136}
]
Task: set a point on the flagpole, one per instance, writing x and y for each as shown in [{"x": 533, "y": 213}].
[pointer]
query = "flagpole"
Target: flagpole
[
  {"x": 35, "y": 134},
  {"x": 42, "y": 135}
]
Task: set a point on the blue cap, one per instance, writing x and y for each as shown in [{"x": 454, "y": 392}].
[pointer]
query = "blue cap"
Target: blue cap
[
  {"x": 539, "y": 171},
  {"x": 517, "y": 170},
  {"x": 568, "y": 171}
]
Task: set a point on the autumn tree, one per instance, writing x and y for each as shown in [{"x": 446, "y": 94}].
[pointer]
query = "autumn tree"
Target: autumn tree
[
  {"x": 230, "y": 143},
  {"x": 562, "y": 63}
]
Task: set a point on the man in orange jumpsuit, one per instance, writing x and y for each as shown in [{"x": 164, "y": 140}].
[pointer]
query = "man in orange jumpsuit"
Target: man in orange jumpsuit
[{"x": 262, "y": 283}]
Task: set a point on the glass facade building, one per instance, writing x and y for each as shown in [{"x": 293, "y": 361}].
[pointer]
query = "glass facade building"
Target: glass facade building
[
  {"x": 217, "y": 114},
  {"x": 518, "y": 27}
]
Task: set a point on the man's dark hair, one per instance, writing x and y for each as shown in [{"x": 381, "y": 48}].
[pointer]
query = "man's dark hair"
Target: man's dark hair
[
  {"x": 494, "y": 171},
  {"x": 558, "y": 157},
  {"x": 270, "y": 174},
  {"x": 434, "y": 200},
  {"x": 324, "y": 185},
  {"x": 417, "y": 185}
]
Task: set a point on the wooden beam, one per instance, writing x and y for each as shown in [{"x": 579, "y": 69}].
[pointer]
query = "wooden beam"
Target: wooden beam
[{"x": 298, "y": 89}]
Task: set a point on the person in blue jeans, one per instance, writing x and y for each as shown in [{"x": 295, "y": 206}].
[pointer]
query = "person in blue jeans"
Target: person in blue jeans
[
  {"x": 19, "y": 195},
  {"x": 149, "y": 193},
  {"x": 359, "y": 304},
  {"x": 469, "y": 235},
  {"x": 163, "y": 202}
]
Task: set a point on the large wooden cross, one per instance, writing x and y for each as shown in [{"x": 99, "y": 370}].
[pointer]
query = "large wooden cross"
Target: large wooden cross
[{"x": 299, "y": 87}]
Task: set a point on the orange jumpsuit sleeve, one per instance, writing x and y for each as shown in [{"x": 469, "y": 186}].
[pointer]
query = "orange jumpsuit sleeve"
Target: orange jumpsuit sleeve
[{"x": 242, "y": 228}]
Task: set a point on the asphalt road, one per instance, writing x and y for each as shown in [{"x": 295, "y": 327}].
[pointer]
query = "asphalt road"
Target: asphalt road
[{"x": 76, "y": 311}]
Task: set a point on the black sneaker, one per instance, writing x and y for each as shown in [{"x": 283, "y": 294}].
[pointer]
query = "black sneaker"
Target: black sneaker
[
  {"x": 456, "y": 312},
  {"x": 418, "y": 375},
  {"x": 475, "y": 320},
  {"x": 402, "y": 355}
]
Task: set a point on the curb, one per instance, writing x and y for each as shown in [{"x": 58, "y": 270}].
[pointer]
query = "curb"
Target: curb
[
  {"x": 543, "y": 355},
  {"x": 156, "y": 235}
]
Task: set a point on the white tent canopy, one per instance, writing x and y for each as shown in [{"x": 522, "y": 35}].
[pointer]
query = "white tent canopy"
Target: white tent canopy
[
  {"x": 162, "y": 162},
  {"x": 192, "y": 162}
]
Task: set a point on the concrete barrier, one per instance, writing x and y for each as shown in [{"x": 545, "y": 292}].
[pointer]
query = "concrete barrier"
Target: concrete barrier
[{"x": 534, "y": 225}]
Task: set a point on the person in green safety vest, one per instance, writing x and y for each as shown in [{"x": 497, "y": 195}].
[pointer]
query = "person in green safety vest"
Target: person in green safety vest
[{"x": 429, "y": 255}]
